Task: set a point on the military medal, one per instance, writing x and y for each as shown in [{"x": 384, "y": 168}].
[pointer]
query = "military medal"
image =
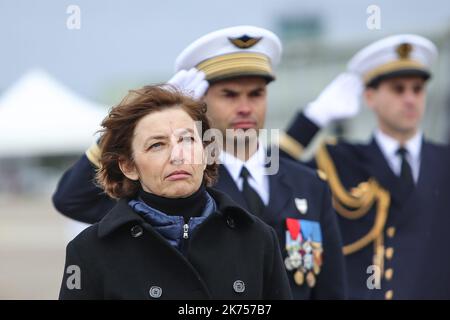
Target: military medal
[
  {"x": 310, "y": 279},
  {"x": 304, "y": 247},
  {"x": 288, "y": 264},
  {"x": 293, "y": 244},
  {"x": 299, "y": 277},
  {"x": 317, "y": 254},
  {"x": 296, "y": 259},
  {"x": 308, "y": 259},
  {"x": 316, "y": 269}
]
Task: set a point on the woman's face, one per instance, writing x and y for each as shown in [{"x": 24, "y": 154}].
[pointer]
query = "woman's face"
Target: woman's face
[{"x": 168, "y": 154}]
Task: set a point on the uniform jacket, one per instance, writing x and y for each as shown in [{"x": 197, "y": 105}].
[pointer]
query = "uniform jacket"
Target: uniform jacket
[{"x": 409, "y": 235}]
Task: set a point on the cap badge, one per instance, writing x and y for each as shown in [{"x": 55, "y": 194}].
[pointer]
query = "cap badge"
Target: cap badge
[
  {"x": 245, "y": 41},
  {"x": 404, "y": 50}
]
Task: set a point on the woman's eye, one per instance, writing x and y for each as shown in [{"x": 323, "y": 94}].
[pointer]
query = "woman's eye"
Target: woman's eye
[{"x": 155, "y": 146}]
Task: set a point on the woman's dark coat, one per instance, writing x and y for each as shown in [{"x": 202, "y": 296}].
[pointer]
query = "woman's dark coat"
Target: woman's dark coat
[{"x": 231, "y": 255}]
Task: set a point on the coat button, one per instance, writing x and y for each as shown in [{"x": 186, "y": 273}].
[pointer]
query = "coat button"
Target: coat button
[
  {"x": 388, "y": 274},
  {"x": 390, "y": 232},
  {"x": 230, "y": 222},
  {"x": 389, "y": 253},
  {"x": 389, "y": 295},
  {"x": 155, "y": 292},
  {"x": 136, "y": 231},
  {"x": 239, "y": 286}
]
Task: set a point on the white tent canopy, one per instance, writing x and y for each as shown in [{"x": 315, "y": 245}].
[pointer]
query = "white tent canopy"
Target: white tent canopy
[{"x": 39, "y": 116}]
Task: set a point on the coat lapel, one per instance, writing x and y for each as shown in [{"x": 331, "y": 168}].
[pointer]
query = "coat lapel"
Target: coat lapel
[
  {"x": 378, "y": 167},
  {"x": 279, "y": 189},
  {"x": 418, "y": 206},
  {"x": 430, "y": 168},
  {"x": 280, "y": 193},
  {"x": 402, "y": 202},
  {"x": 227, "y": 185}
]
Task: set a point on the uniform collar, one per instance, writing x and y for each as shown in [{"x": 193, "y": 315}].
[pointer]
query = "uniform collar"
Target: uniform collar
[
  {"x": 389, "y": 145},
  {"x": 256, "y": 164},
  {"x": 122, "y": 214}
]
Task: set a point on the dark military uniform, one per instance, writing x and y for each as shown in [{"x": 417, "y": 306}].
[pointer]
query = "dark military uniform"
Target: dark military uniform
[
  {"x": 403, "y": 234},
  {"x": 78, "y": 198}
]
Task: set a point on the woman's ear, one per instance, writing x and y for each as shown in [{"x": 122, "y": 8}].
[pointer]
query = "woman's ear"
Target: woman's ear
[
  {"x": 205, "y": 159},
  {"x": 128, "y": 169}
]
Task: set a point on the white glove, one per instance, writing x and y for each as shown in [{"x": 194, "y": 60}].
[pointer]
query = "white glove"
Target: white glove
[
  {"x": 339, "y": 100},
  {"x": 191, "y": 83}
]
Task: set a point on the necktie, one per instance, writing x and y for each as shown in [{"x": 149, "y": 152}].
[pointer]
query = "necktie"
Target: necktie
[
  {"x": 406, "y": 176},
  {"x": 253, "y": 200}
]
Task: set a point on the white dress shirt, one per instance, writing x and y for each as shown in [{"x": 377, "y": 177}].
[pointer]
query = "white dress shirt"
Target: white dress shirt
[
  {"x": 259, "y": 180},
  {"x": 389, "y": 147}
]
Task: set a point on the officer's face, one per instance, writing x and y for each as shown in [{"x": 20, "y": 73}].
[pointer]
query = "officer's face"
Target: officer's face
[
  {"x": 168, "y": 154},
  {"x": 399, "y": 104},
  {"x": 239, "y": 103}
]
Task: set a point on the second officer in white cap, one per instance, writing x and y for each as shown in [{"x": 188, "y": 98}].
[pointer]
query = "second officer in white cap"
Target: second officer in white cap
[
  {"x": 238, "y": 64},
  {"x": 391, "y": 193}
]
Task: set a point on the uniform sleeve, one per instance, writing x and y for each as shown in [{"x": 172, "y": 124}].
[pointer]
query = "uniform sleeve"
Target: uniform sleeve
[
  {"x": 302, "y": 129},
  {"x": 78, "y": 197},
  {"x": 77, "y": 284},
  {"x": 278, "y": 287},
  {"x": 331, "y": 283},
  {"x": 297, "y": 137}
]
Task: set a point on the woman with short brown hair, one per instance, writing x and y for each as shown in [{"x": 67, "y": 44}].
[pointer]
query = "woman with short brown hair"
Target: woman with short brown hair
[
  {"x": 118, "y": 134},
  {"x": 170, "y": 236}
]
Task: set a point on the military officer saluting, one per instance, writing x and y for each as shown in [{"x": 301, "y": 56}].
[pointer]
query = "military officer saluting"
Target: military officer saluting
[
  {"x": 392, "y": 193},
  {"x": 238, "y": 63}
]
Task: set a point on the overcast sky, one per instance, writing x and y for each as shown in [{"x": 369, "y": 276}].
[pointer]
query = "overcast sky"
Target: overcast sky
[{"x": 130, "y": 40}]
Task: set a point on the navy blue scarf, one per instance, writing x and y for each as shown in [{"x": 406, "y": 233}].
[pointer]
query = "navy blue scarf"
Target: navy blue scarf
[{"x": 169, "y": 224}]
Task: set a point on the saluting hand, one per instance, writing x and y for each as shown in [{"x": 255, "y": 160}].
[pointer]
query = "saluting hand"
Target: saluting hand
[
  {"x": 339, "y": 100},
  {"x": 190, "y": 82}
]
